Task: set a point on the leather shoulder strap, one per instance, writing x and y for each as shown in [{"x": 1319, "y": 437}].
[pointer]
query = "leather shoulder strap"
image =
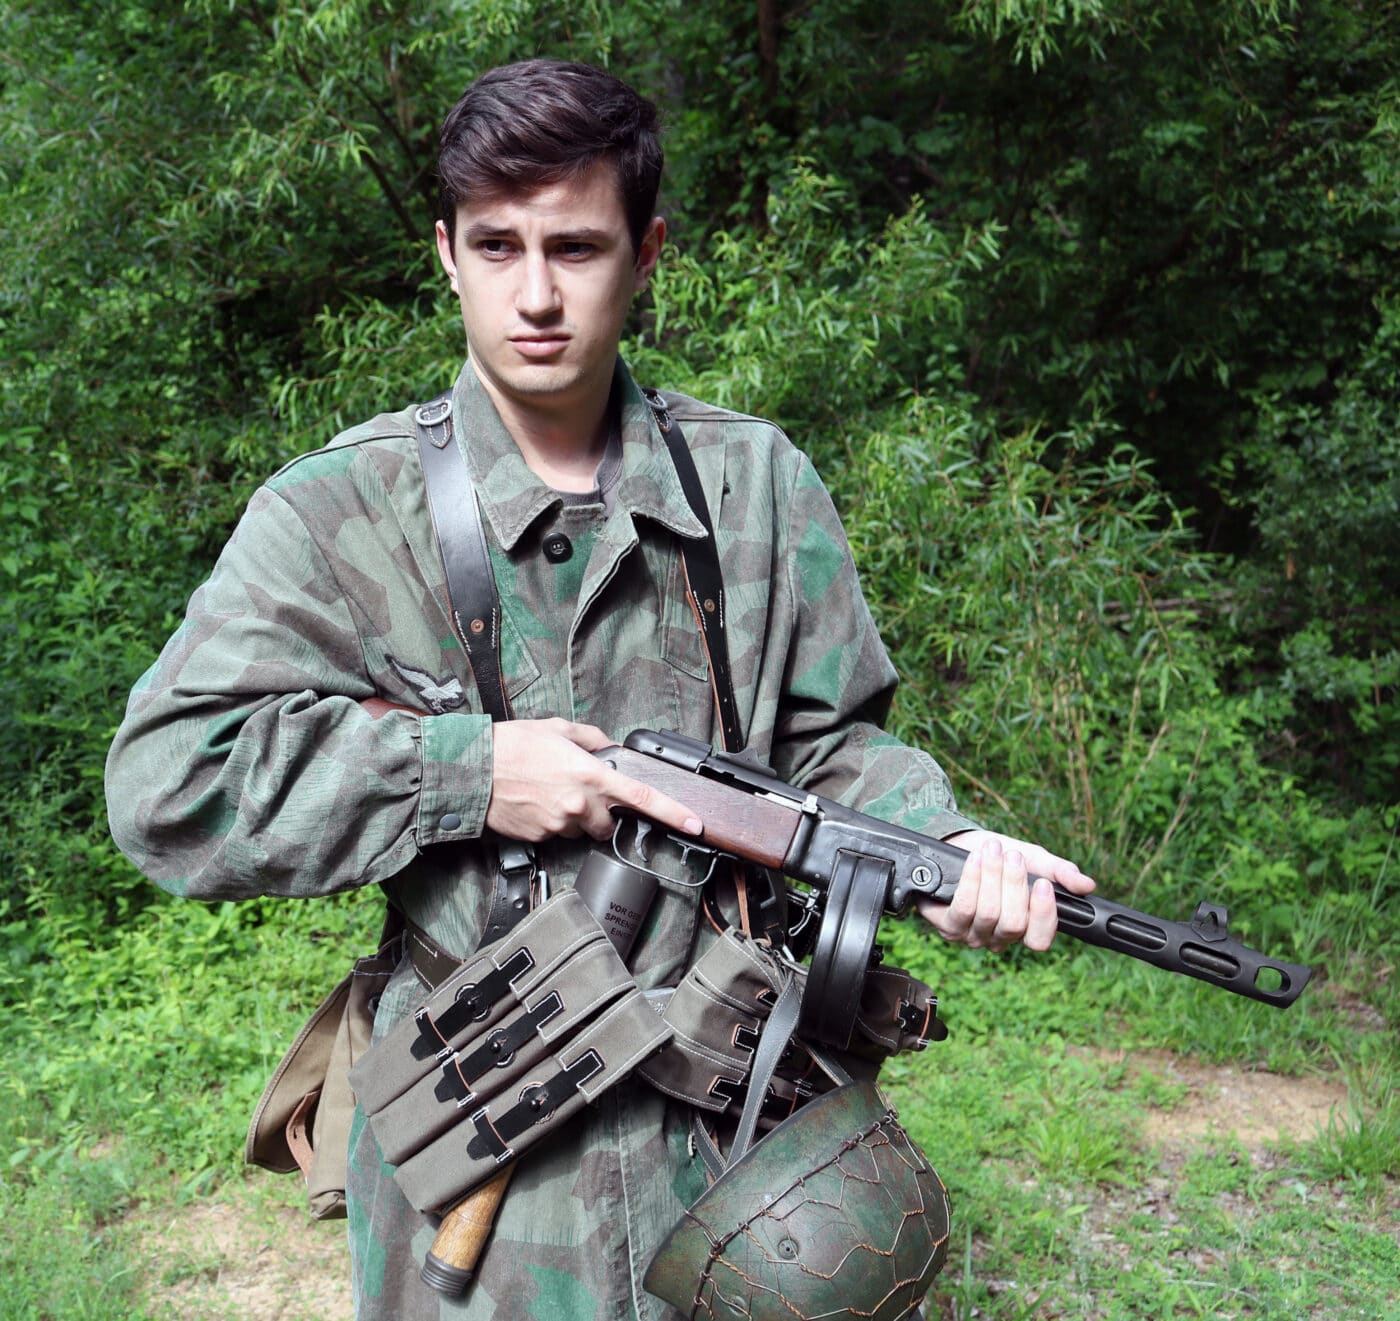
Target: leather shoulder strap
[
  {"x": 471, "y": 586},
  {"x": 476, "y": 618},
  {"x": 704, "y": 580}
]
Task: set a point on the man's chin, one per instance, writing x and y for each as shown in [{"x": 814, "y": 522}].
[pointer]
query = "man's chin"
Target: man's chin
[
  {"x": 547, "y": 381},
  {"x": 551, "y": 386}
]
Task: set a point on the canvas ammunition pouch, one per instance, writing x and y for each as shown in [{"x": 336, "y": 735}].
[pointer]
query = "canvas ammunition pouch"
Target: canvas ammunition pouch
[
  {"x": 525, "y": 1033},
  {"x": 720, "y": 1009}
]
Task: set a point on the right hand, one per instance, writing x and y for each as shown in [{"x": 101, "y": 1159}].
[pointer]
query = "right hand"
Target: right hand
[{"x": 545, "y": 782}]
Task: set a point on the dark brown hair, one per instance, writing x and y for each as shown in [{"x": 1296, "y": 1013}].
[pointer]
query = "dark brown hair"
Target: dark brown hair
[{"x": 540, "y": 122}]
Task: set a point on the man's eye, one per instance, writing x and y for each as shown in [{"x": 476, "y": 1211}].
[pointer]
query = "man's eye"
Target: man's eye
[
  {"x": 493, "y": 248},
  {"x": 575, "y": 251}
]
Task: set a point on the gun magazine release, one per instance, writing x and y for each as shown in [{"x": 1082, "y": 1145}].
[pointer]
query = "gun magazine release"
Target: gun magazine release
[{"x": 842, "y": 854}]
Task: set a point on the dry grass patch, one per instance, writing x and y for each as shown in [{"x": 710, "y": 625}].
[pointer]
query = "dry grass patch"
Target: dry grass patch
[{"x": 254, "y": 1255}]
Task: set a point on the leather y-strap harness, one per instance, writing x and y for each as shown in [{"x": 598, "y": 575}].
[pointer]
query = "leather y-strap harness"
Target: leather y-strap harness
[{"x": 475, "y": 607}]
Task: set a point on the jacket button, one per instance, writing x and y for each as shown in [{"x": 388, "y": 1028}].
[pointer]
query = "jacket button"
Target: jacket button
[
  {"x": 451, "y": 822},
  {"x": 557, "y": 548}
]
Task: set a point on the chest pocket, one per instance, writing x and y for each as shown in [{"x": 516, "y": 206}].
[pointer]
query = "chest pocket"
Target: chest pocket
[
  {"x": 685, "y": 669},
  {"x": 681, "y": 643}
]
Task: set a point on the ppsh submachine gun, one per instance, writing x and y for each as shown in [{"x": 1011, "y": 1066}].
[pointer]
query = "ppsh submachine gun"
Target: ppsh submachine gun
[
  {"x": 819, "y": 878},
  {"x": 858, "y": 869}
]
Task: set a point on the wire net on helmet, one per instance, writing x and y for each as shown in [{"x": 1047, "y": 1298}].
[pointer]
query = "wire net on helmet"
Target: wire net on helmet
[{"x": 860, "y": 1235}]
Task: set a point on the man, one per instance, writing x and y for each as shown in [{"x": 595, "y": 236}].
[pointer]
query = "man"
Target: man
[{"x": 249, "y": 762}]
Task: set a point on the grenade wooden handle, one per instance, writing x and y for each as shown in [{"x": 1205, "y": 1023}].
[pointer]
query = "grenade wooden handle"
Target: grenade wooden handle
[{"x": 462, "y": 1235}]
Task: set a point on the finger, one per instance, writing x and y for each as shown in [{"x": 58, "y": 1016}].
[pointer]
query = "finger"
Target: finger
[
  {"x": 635, "y": 796},
  {"x": 953, "y": 919},
  {"x": 1043, "y": 921},
  {"x": 1060, "y": 870},
  {"x": 989, "y": 896},
  {"x": 961, "y": 913},
  {"x": 1013, "y": 920}
]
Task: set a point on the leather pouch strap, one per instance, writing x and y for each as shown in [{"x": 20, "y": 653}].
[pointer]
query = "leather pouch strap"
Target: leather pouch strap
[
  {"x": 702, "y": 573},
  {"x": 475, "y": 609},
  {"x": 537, "y": 1102},
  {"x": 471, "y": 586},
  {"x": 472, "y": 1003},
  {"x": 500, "y": 1046}
]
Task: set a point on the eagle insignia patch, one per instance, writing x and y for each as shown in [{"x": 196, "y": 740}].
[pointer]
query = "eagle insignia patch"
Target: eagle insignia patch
[{"x": 438, "y": 695}]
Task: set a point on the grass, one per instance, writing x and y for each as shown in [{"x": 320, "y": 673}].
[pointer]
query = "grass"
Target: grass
[
  {"x": 1084, "y": 1185},
  {"x": 1065, "y": 1206},
  {"x": 1062, "y": 1112},
  {"x": 126, "y": 1081}
]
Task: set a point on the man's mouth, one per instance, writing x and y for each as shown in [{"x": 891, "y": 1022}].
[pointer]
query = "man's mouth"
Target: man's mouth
[{"x": 539, "y": 346}]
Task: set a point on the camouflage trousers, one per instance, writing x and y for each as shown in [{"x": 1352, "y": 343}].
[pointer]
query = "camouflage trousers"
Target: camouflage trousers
[{"x": 579, "y": 1223}]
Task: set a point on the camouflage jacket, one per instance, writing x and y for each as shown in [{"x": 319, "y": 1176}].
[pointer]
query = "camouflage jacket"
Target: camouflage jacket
[{"x": 246, "y": 764}]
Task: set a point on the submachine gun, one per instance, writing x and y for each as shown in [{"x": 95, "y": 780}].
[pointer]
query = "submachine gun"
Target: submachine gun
[
  {"x": 859, "y": 869},
  {"x": 856, "y": 869}
]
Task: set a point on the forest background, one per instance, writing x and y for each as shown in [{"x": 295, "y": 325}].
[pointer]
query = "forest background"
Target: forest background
[{"x": 1086, "y": 310}]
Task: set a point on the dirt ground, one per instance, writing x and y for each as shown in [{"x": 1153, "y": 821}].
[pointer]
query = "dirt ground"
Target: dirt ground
[
  {"x": 257, "y": 1256},
  {"x": 253, "y": 1256},
  {"x": 1222, "y": 1101}
]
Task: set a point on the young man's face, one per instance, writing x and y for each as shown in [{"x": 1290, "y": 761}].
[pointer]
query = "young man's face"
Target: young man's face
[{"x": 545, "y": 279}]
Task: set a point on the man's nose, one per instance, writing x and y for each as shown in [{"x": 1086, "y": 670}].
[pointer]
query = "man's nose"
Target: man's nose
[{"x": 538, "y": 294}]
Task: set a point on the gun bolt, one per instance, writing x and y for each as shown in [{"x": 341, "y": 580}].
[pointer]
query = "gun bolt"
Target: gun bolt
[{"x": 922, "y": 877}]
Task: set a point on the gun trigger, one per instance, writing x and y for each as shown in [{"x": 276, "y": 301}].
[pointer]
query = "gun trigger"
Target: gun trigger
[
  {"x": 640, "y": 837},
  {"x": 1211, "y": 922}
]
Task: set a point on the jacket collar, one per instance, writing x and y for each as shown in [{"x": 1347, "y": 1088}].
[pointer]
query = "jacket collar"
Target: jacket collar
[{"x": 512, "y": 497}]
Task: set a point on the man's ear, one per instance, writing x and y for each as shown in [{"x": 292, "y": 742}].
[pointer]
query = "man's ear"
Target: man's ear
[
  {"x": 649, "y": 252},
  {"x": 449, "y": 262}
]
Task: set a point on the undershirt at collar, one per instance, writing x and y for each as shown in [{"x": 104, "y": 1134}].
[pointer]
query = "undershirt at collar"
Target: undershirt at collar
[{"x": 605, "y": 480}]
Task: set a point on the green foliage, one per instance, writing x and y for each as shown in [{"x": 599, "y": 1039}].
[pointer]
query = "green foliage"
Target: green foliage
[
  {"x": 1323, "y": 643},
  {"x": 806, "y": 322},
  {"x": 1085, "y": 312},
  {"x": 1196, "y": 211},
  {"x": 61, "y": 1262}
]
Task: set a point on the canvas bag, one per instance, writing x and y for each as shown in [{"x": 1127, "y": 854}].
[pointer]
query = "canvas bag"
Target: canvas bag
[{"x": 302, "y": 1119}]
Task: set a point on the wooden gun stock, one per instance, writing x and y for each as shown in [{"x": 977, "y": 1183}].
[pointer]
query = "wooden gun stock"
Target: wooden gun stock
[{"x": 747, "y": 825}]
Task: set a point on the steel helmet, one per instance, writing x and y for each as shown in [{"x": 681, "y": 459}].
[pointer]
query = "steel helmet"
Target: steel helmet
[{"x": 836, "y": 1213}]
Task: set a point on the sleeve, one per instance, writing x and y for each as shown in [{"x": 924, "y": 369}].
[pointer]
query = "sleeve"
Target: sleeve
[
  {"x": 246, "y": 763},
  {"x": 839, "y": 683}
]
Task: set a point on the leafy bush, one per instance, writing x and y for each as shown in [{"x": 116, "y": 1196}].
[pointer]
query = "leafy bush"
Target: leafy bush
[
  {"x": 1323, "y": 647},
  {"x": 1026, "y": 280}
]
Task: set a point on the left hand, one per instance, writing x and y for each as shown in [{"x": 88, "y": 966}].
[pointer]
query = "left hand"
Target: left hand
[{"x": 995, "y": 905}]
